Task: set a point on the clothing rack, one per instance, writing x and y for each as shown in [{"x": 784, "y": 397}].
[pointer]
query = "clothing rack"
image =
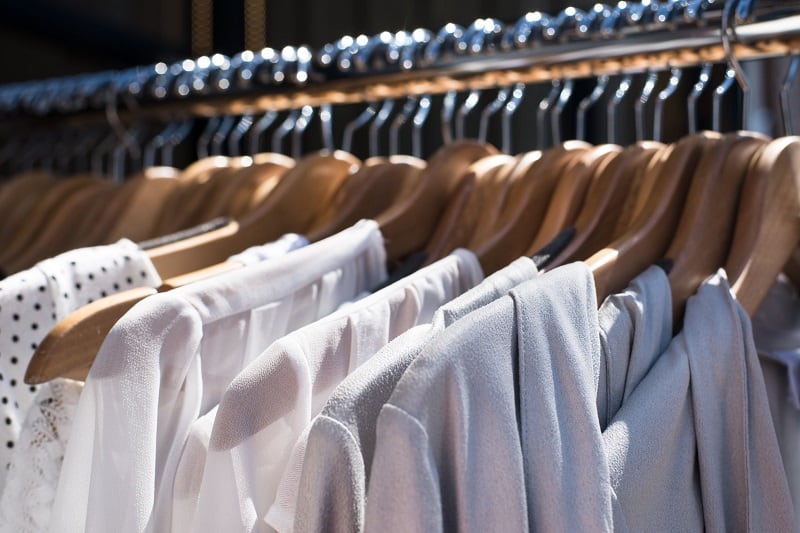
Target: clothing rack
[{"x": 630, "y": 37}]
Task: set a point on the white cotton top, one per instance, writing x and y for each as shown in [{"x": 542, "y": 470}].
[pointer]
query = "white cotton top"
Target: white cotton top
[
  {"x": 340, "y": 442},
  {"x": 168, "y": 361},
  {"x": 267, "y": 407},
  {"x": 27, "y": 501},
  {"x": 776, "y": 329},
  {"x": 32, "y": 302},
  {"x": 693, "y": 446},
  {"x": 449, "y": 454},
  {"x": 271, "y": 250}
]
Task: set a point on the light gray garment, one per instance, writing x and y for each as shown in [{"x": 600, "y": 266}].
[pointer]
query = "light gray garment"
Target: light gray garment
[
  {"x": 693, "y": 446},
  {"x": 635, "y": 328},
  {"x": 776, "y": 329},
  {"x": 341, "y": 440},
  {"x": 448, "y": 454}
]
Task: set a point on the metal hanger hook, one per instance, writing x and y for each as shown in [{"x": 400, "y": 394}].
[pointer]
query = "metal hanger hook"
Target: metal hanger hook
[{"x": 728, "y": 28}]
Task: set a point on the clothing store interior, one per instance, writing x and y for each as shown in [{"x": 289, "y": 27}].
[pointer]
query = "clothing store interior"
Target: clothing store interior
[{"x": 413, "y": 266}]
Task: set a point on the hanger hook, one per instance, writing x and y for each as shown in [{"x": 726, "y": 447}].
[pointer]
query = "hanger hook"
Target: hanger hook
[
  {"x": 374, "y": 128},
  {"x": 303, "y": 120},
  {"x": 641, "y": 104},
  {"x": 238, "y": 133},
  {"x": 326, "y": 125},
  {"x": 419, "y": 120},
  {"x": 508, "y": 112},
  {"x": 589, "y": 102},
  {"x": 469, "y": 105},
  {"x": 157, "y": 142},
  {"x": 545, "y": 105},
  {"x": 399, "y": 121},
  {"x": 625, "y": 83},
  {"x": 448, "y": 109},
  {"x": 786, "y": 91},
  {"x": 697, "y": 91},
  {"x": 728, "y": 28},
  {"x": 672, "y": 86},
  {"x": 218, "y": 139},
  {"x": 284, "y": 129},
  {"x": 491, "y": 110},
  {"x": 359, "y": 122},
  {"x": 558, "y": 109},
  {"x": 177, "y": 138},
  {"x": 259, "y": 129}
]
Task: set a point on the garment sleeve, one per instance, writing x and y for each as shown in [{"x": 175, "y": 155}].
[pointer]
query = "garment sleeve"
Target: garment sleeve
[
  {"x": 403, "y": 491},
  {"x": 332, "y": 491}
]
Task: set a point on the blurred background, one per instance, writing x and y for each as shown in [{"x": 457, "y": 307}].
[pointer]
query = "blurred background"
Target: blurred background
[{"x": 43, "y": 38}]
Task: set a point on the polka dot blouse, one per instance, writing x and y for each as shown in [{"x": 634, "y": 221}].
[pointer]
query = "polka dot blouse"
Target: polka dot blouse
[{"x": 32, "y": 302}]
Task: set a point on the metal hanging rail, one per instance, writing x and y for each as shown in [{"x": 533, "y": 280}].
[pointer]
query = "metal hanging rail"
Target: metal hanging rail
[{"x": 630, "y": 37}]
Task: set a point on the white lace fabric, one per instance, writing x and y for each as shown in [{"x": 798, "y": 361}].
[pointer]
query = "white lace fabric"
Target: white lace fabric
[{"x": 27, "y": 500}]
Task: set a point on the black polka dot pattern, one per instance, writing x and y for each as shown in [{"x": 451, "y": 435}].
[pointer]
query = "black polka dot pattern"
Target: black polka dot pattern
[{"x": 34, "y": 301}]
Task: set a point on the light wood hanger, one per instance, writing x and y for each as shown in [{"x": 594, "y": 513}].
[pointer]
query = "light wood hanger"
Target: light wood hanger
[
  {"x": 605, "y": 201},
  {"x": 290, "y": 208},
  {"x": 256, "y": 184},
  {"x": 18, "y": 197},
  {"x": 482, "y": 184},
  {"x": 767, "y": 229},
  {"x": 705, "y": 229},
  {"x": 137, "y": 219},
  {"x": 408, "y": 226},
  {"x": 388, "y": 183},
  {"x": 37, "y": 219},
  {"x": 527, "y": 195},
  {"x": 651, "y": 231},
  {"x": 570, "y": 192}
]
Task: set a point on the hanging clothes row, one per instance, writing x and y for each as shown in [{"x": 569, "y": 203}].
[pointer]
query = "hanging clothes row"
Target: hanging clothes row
[{"x": 583, "y": 336}]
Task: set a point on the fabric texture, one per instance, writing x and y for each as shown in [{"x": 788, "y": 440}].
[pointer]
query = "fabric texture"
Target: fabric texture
[
  {"x": 32, "y": 302},
  {"x": 272, "y": 250},
  {"x": 267, "y": 407},
  {"x": 27, "y": 500},
  {"x": 776, "y": 330},
  {"x": 449, "y": 453},
  {"x": 168, "y": 361},
  {"x": 693, "y": 446},
  {"x": 339, "y": 444}
]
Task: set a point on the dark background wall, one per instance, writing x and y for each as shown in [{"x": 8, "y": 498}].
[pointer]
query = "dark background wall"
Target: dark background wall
[{"x": 43, "y": 38}]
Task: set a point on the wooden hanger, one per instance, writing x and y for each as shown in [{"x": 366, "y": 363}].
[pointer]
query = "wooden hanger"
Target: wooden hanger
[
  {"x": 69, "y": 226},
  {"x": 767, "y": 229},
  {"x": 705, "y": 230},
  {"x": 290, "y": 208},
  {"x": 651, "y": 231},
  {"x": 249, "y": 174},
  {"x": 481, "y": 185},
  {"x": 388, "y": 182},
  {"x": 570, "y": 192},
  {"x": 527, "y": 195},
  {"x": 257, "y": 184},
  {"x": 18, "y": 197},
  {"x": 63, "y": 353},
  {"x": 408, "y": 226},
  {"x": 35, "y": 221},
  {"x": 605, "y": 201},
  {"x": 137, "y": 218}
]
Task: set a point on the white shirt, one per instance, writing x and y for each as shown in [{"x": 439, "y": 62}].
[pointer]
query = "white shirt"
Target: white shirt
[
  {"x": 168, "y": 360},
  {"x": 340, "y": 442},
  {"x": 267, "y": 407},
  {"x": 27, "y": 501},
  {"x": 35, "y": 300}
]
